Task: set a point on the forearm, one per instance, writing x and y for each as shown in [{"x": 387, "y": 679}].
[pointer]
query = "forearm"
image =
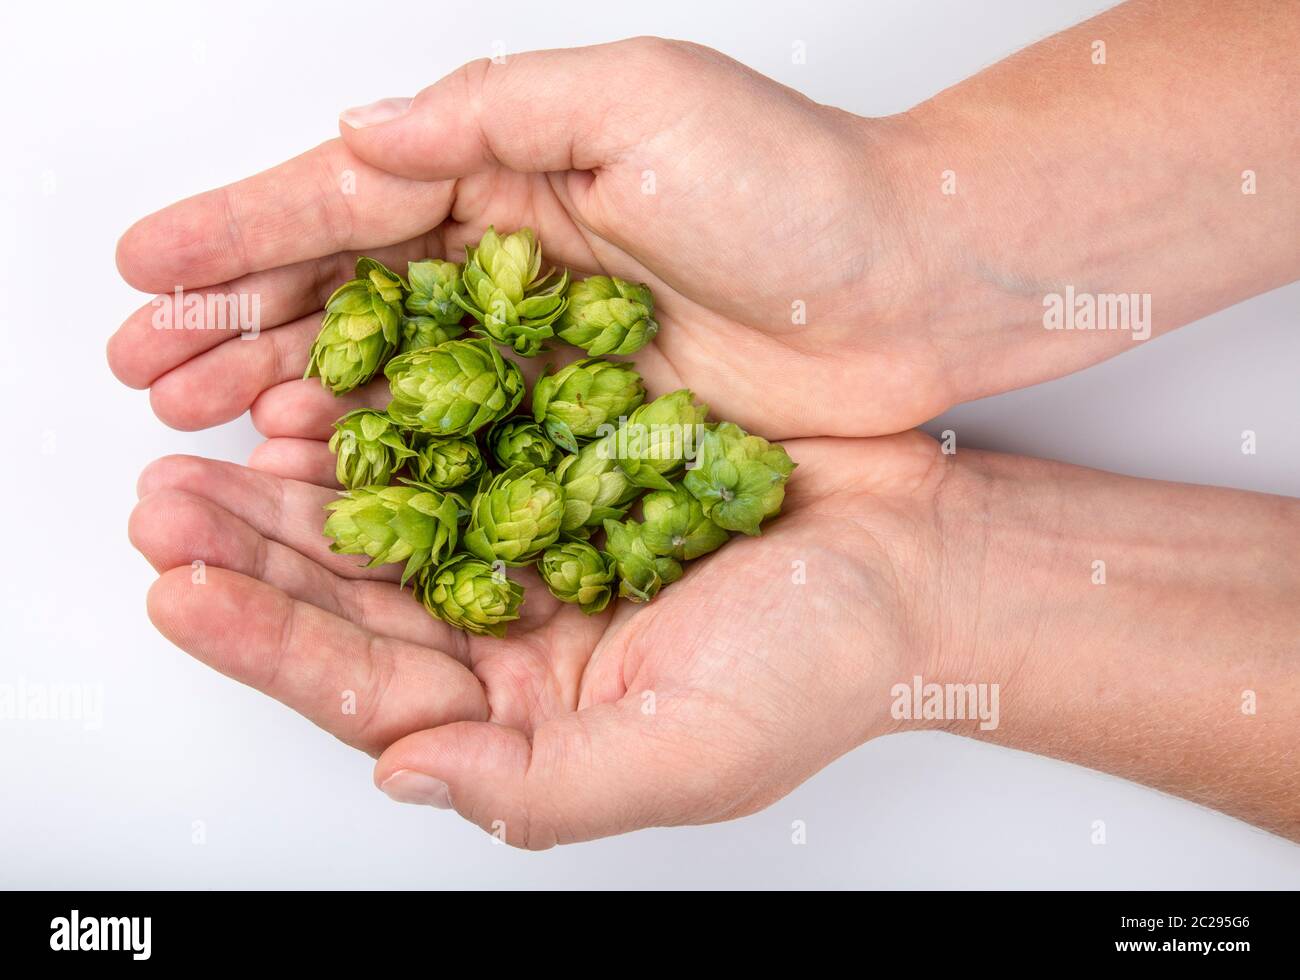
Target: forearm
[
  {"x": 1146, "y": 629},
  {"x": 1125, "y": 177}
]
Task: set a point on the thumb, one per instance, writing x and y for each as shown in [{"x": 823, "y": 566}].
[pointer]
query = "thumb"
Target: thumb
[
  {"x": 604, "y": 770},
  {"x": 567, "y": 109}
]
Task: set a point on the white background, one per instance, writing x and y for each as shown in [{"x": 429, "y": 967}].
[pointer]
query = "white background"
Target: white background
[{"x": 116, "y": 109}]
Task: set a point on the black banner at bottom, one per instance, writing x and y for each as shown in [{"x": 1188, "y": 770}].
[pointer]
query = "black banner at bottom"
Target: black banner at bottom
[{"x": 141, "y": 930}]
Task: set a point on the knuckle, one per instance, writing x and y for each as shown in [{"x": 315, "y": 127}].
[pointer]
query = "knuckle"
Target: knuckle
[
  {"x": 472, "y": 80},
  {"x": 654, "y": 46},
  {"x": 264, "y": 456},
  {"x": 124, "y": 362},
  {"x": 168, "y": 472},
  {"x": 174, "y": 527},
  {"x": 665, "y": 53},
  {"x": 174, "y": 408},
  {"x": 380, "y": 673},
  {"x": 141, "y": 524},
  {"x": 334, "y": 209},
  {"x": 263, "y": 412}
]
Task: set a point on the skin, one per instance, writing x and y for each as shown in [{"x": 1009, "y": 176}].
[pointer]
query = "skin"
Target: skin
[
  {"x": 545, "y": 730},
  {"x": 975, "y": 568}
]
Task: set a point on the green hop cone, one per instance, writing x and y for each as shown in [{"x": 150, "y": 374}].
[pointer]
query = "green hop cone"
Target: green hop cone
[
  {"x": 574, "y": 571},
  {"x": 419, "y": 332},
  {"x": 471, "y": 595},
  {"x": 515, "y": 516},
  {"x": 578, "y": 399},
  {"x": 595, "y": 487},
  {"x": 641, "y": 573},
  {"x": 445, "y": 464},
  {"x": 412, "y": 524},
  {"x": 674, "y": 524},
  {"x": 453, "y": 389},
  {"x": 739, "y": 479},
  {"x": 506, "y": 292},
  {"x": 608, "y": 316},
  {"x": 361, "y": 329},
  {"x": 368, "y": 448},
  {"x": 519, "y": 441},
  {"x": 435, "y": 284},
  {"x": 657, "y": 439}
]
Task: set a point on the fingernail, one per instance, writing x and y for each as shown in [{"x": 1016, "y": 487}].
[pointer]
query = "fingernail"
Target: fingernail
[
  {"x": 408, "y": 786},
  {"x": 375, "y": 113}
]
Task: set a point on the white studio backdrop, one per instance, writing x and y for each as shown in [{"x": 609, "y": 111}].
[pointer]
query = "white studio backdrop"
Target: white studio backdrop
[{"x": 116, "y": 110}]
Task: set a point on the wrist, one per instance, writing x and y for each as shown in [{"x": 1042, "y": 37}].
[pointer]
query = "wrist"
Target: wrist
[
  {"x": 881, "y": 292},
  {"x": 923, "y": 536},
  {"x": 958, "y": 255},
  {"x": 952, "y": 285},
  {"x": 972, "y": 628}
]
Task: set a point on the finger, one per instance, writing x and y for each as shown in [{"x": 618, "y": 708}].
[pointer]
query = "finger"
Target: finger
[
  {"x": 222, "y": 384},
  {"x": 326, "y": 200},
  {"x": 603, "y": 770},
  {"x": 159, "y": 336},
  {"x": 305, "y": 409},
  {"x": 305, "y": 460},
  {"x": 175, "y": 528},
  {"x": 287, "y": 511},
  {"x": 908, "y": 464},
  {"x": 367, "y": 690},
  {"x": 568, "y": 109},
  {"x": 155, "y": 338}
]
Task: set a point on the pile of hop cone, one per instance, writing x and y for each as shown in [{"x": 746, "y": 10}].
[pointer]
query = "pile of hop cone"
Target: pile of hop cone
[{"x": 457, "y": 484}]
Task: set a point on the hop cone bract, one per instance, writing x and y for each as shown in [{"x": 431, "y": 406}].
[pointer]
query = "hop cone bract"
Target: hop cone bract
[
  {"x": 445, "y": 463},
  {"x": 453, "y": 389},
  {"x": 606, "y": 315},
  {"x": 361, "y": 329},
  {"x": 574, "y": 571},
  {"x": 739, "y": 479},
  {"x": 515, "y": 516},
  {"x": 595, "y": 487},
  {"x": 578, "y": 399},
  {"x": 506, "y": 292},
  {"x": 419, "y": 332},
  {"x": 412, "y": 524},
  {"x": 519, "y": 441},
  {"x": 470, "y": 594},
  {"x": 435, "y": 284},
  {"x": 657, "y": 439},
  {"x": 674, "y": 524},
  {"x": 368, "y": 449},
  {"x": 641, "y": 572}
]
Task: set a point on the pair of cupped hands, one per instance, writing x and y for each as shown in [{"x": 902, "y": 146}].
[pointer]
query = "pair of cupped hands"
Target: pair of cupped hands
[{"x": 760, "y": 221}]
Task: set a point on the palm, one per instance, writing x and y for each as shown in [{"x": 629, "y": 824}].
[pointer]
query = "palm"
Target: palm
[
  {"x": 279, "y": 611},
  {"x": 727, "y": 311}
]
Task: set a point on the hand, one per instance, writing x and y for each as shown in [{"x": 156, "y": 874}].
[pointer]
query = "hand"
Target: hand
[
  {"x": 736, "y": 199},
  {"x": 716, "y": 699},
  {"x": 842, "y": 214}
]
